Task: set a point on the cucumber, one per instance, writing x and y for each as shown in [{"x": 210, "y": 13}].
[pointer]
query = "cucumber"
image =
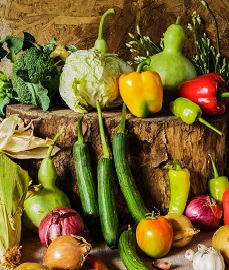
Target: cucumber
[
  {"x": 87, "y": 185},
  {"x": 134, "y": 201},
  {"x": 127, "y": 251},
  {"x": 106, "y": 197}
]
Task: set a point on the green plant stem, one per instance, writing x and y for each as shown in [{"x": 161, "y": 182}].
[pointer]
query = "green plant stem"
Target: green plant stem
[
  {"x": 122, "y": 125},
  {"x": 100, "y": 43},
  {"x": 49, "y": 152},
  {"x": 106, "y": 152},
  {"x": 216, "y": 174},
  {"x": 80, "y": 132},
  {"x": 207, "y": 124},
  {"x": 217, "y": 35}
]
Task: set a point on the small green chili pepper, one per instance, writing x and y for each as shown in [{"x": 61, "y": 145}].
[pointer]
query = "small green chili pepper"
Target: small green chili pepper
[
  {"x": 179, "y": 187},
  {"x": 217, "y": 185},
  {"x": 189, "y": 112}
]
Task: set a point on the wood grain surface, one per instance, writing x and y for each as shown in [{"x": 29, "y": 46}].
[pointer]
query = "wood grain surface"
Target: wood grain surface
[{"x": 153, "y": 141}]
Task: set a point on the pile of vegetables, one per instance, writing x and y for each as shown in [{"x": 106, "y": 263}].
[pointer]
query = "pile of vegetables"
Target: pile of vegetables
[{"x": 96, "y": 79}]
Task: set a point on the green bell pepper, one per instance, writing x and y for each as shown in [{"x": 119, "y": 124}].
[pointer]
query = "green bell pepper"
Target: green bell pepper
[
  {"x": 217, "y": 185},
  {"x": 189, "y": 112}
]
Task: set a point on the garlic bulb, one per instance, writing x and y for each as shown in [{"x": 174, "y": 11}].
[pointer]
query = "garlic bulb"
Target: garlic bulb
[{"x": 206, "y": 258}]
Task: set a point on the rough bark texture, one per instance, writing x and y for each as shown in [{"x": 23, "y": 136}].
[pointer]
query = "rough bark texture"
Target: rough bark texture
[
  {"x": 153, "y": 141},
  {"x": 76, "y": 22}
]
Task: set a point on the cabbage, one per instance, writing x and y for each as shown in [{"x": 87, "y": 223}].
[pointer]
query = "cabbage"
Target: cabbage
[{"x": 89, "y": 75}]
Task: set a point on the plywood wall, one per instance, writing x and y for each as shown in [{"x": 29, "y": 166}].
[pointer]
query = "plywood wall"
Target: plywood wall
[{"x": 76, "y": 21}]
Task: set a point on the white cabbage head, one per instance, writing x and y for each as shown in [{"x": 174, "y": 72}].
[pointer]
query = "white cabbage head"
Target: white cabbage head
[{"x": 89, "y": 75}]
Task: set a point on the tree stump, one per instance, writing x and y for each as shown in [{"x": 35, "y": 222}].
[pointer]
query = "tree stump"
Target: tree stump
[{"x": 153, "y": 141}]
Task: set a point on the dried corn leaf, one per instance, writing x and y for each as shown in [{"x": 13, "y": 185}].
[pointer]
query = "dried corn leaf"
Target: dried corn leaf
[
  {"x": 14, "y": 182},
  {"x": 18, "y": 140}
]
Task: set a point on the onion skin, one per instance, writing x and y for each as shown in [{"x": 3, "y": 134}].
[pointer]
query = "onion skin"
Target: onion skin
[
  {"x": 203, "y": 212},
  {"x": 31, "y": 266},
  {"x": 60, "y": 221},
  {"x": 67, "y": 252},
  {"x": 183, "y": 230}
]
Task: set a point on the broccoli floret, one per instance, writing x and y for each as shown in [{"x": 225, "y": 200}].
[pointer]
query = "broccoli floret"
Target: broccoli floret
[{"x": 41, "y": 72}]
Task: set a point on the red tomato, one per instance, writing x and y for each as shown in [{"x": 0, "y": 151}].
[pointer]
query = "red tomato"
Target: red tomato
[{"x": 154, "y": 236}]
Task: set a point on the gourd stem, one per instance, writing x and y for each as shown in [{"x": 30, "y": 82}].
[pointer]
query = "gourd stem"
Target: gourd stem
[
  {"x": 216, "y": 174},
  {"x": 49, "y": 152},
  {"x": 106, "y": 152},
  {"x": 80, "y": 132},
  {"x": 207, "y": 124},
  {"x": 123, "y": 119},
  {"x": 100, "y": 43},
  {"x": 178, "y": 20}
]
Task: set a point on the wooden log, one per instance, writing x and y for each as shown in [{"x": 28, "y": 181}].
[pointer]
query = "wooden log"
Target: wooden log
[{"x": 152, "y": 142}]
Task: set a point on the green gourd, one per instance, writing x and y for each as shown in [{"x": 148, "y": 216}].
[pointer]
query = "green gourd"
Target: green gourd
[
  {"x": 46, "y": 196},
  {"x": 172, "y": 66}
]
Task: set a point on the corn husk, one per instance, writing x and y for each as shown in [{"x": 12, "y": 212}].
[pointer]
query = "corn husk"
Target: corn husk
[
  {"x": 18, "y": 141},
  {"x": 14, "y": 182}
]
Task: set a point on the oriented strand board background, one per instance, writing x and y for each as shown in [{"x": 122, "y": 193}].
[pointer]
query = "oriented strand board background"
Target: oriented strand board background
[{"x": 76, "y": 21}]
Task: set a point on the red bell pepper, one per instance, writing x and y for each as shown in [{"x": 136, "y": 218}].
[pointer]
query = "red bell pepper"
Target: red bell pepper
[
  {"x": 226, "y": 207},
  {"x": 208, "y": 91}
]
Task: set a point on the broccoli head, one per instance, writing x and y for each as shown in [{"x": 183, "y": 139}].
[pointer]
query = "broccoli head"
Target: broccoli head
[{"x": 42, "y": 77}]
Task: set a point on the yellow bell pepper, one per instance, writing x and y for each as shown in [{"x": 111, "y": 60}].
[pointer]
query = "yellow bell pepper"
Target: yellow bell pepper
[{"x": 142, "y": 92}]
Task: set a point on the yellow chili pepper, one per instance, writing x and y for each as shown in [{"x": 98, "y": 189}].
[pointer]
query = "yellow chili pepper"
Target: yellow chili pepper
[{"x": 142, "y": 92}]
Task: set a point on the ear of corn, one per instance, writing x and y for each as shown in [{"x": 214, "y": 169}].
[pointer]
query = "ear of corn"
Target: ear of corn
[{"x": 14, "y": 182}]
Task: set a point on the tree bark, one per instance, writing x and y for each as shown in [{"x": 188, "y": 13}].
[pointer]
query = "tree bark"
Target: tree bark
[{"x": 153, "y": 142}]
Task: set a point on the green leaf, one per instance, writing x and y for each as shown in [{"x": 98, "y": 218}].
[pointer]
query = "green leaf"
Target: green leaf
[
  {"x": 3, "y": 52},
  {"x": 71, "y": 48},
  {"x": 4, "y": 77},
  {"x": 50, "y": 47},
  {"x": 14, "y": 45},
  {"x": 3, "y": 104},
  {"x": 39, "y": 95},
  {"x": 28, "y": 41}
]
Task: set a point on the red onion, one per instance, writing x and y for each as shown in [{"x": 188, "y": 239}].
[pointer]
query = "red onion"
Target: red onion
[
  {"x": 60, "y": 221},
  {"x": 203, "y": 212}
]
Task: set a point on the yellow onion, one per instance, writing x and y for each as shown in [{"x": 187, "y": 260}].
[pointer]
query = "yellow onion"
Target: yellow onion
[
  {"x": 183, "y": 230},
  {"x": 67, "y": 252},
  {"x": 31, "y": 266}
]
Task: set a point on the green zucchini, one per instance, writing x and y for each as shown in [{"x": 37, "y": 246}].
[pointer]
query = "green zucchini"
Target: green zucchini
[
  {"x": 132, "y": 196},
  {"x": 127, "y": 251},
  {"x": 87, "y": 185},
  {"x": 106, "y": 198}
]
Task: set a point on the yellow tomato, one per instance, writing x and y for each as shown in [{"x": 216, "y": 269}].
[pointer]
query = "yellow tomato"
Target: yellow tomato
[{"x": 154, "y": 236}]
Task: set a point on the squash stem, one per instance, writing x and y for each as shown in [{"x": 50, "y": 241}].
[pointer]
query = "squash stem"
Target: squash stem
[
  {"x": 100, "y": 43},
  {"x": 106, "y": 152},
  {"x": 49, "y": 152},
  {"x": 123, "y": 119},
  {"x": 80, "y": 131},
  {"x": 178, "y": 20}
]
